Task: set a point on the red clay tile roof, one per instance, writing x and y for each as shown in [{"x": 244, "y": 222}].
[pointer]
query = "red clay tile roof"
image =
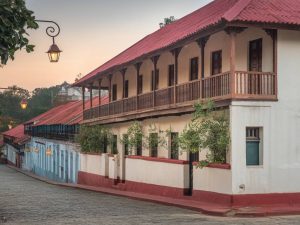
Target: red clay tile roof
[
  {"x": 68, "y": 114},
  {"x": 260, "y": 11},
  {"x": 17, "y": 134}
]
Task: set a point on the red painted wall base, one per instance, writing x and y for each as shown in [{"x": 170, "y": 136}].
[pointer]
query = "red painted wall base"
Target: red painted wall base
[
  {"x": 10, "y": 163},
  {"x": 203, "y": 196},
  {"x": 100, "y": 181}
]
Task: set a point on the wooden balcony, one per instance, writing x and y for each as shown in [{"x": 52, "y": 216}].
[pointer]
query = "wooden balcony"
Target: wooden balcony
[{"x": 226, "y": 86}]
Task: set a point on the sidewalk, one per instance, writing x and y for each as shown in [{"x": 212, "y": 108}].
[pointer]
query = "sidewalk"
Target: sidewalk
[{"x": 187, "y": 203}]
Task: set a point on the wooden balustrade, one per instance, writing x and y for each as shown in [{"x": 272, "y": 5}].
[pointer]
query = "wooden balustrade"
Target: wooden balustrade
[
  {"x": 116, "y": 107},
  {"x": 240, "y": 85},
  {"x": 104, "y": 110},
  {"x": 164, "y": 96},
  {"x": 216, "y": 85},
  {"x": 145, "y": 101},
  {"x": 129, "y": 104},
  {"x": 188, "y": 91},
  {"x": 255, "y": 84}
]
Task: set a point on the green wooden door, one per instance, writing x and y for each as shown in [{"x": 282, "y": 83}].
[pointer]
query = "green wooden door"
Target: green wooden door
[{"x": 252, "y": 153}]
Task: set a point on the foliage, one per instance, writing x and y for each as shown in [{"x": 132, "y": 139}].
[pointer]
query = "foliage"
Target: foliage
[
  {"x": 209, "y": 129},
  {"x": 11, "y": 112},
  {"x": 152, "y": 141},
  {"x": 93, "y": 139},
  {"x": 41, "y": 100},
  {"x": 15, "y": 18},
  {"x": 167, "y": 21},
  {"x": 134, "y": 136}
]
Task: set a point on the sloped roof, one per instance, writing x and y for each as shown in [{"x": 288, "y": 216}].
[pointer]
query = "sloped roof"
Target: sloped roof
[
  {"x": 68, "y": 114},
  {"x": 259, "y": 11},
  {"x": 17, "y": 134}
]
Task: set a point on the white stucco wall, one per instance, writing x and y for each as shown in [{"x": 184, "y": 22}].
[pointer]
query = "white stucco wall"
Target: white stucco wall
[
  {"x": 91, "y": 164},
  {"x": 11, "y": 153},
  {"x": 175, "y": 123},
  {"x": 212, "y": 180},
  {"x": 113, "y": 167},
  {"x": 158, "y": 173},
  {"x": 281, "y": 127}
]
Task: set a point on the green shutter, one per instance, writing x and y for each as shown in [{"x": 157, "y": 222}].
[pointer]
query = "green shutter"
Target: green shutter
[{"x": 252, "y": 153}]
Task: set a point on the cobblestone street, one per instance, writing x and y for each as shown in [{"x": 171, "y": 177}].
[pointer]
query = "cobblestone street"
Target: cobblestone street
[{"x": 24, "y": 200}]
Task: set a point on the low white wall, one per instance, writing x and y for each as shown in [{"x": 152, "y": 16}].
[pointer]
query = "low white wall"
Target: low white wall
[
  {"x": 11, "y": 153},
  {"x": 91, "y": 164},
  {"x": 113, "y": 167},
  {"x": 158, "y": 173},
  {"x": 213, "y": 180}
]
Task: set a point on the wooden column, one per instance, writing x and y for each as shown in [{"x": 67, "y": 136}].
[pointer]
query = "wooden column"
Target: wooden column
[
  {"x": 83, "y": 98},
  {"x": 109, "y": 91},
  {"x": 123, "y": 72},
  {"x": 201, "y": 43},
  {"x": 232, "y": 32},
  {"x": 154, "y": 60},
  {"x": 176, "y": 53},
  {"x": 232, "y": 61},
  {"x": 137, "y": 67},
  {"x": 109, "y": 87},
  {"x": 100, "y": 82},
  {"x": 91, "y": 96},
  {"x": 274, "y": 35}
]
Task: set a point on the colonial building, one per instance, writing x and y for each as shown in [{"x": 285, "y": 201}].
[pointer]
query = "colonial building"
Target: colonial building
[
  {"x": 45, "y": 145},
  {"x": 14, "y": 145},
  {"x": 242, "y": 54}
]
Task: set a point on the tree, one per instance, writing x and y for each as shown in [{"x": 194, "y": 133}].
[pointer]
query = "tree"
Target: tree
[
  {"x": 41, "y": 100},
  {"x": 15, "y": 18},
  {"x": 11, "y": 112},
  {"x": 209, "y": 129},
  {"x": 93, "y": 139},
  {"x": 167, "y": 21}
]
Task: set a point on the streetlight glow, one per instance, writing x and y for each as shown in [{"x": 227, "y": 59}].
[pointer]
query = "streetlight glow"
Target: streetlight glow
[
  {"x": 54, "y": 53},
  {"x": 23, "y": 104}
]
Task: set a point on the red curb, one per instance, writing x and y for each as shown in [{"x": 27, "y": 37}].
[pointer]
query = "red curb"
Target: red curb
[{"x": 203, "y": 207}]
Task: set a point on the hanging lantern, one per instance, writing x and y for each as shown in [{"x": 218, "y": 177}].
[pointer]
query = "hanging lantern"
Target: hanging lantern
[
  {"x": 54, "y": 53},
  {"x": 49, "y": 152},
  {"x": 23, "y": 104}
]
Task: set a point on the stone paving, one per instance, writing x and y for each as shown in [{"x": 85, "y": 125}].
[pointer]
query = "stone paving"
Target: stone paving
[{"x": 24, "y": 200}]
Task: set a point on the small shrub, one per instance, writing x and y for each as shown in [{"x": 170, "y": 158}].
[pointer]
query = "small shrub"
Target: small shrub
[{"x": 93, "y": 139}]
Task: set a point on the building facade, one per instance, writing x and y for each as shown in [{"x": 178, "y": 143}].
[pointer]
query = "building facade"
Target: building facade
[{"x": 247, "y": 63}]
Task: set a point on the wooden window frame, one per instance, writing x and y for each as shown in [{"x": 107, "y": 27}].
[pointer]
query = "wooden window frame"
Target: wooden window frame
[
  {"x": 154, "y": 150},
  {"x": 126, "y": 87},
  {"x": 261, "y": 55},
  {"x": 254, "y": 134},
  {"x": 156, "y": 80},
  {"x": 192, "y": 78},
  {"x": 174, "y": 145},
  {"x": 114, "y": 146},
  {"x": 212, "y": 62},
  {"x": 171, "y": 73},
  {"x": 114, "y": 92},
  {"x": 140, "y": 84}
]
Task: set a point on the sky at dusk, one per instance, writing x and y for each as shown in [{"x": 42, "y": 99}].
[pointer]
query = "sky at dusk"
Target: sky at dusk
[{"x": 92, "y": 32}]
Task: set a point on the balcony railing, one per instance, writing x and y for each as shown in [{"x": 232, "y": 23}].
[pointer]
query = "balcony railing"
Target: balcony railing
[{"x": 239, "y": 85}]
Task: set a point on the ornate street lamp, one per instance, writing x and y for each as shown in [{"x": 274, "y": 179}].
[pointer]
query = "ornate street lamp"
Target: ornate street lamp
[
  {"x": 52, "y": 31},
  {"x": 23, "y": 104}
]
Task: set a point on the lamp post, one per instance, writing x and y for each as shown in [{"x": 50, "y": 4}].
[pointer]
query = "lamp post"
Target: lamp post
[
  {"x": 23, "y": 103},
  {"x": 52, "y": 31}
]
